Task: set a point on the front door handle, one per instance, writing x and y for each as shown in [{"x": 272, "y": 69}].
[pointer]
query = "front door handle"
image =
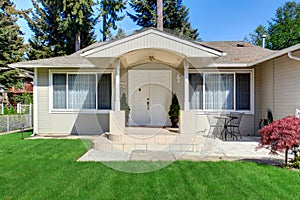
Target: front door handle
[{"x": 148, "y": 103}]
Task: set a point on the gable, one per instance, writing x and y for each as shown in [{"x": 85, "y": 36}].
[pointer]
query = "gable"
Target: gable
[{"x": 152, "y": 39}]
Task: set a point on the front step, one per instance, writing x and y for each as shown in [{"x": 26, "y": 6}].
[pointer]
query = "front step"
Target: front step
[{"x": 176, "y": 144}]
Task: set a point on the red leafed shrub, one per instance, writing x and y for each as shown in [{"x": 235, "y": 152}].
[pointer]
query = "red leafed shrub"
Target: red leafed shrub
[{"x": 281, "y": 134}]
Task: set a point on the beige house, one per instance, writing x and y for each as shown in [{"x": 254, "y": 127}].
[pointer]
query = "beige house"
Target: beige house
[{"x": 81, "y": 93}]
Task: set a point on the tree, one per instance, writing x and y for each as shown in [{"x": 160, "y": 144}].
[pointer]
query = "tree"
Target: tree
[
  {"x": 78, "y": 23},
  {"x": 120, "y": 34},
  {"x": 8, "y": 79},
  {"x": 45, "y": 23},
  {"x": 109, "y": 10},
  {"x": 282, "y": 31},
  {"x": 256, "y": 36},
  {"x": 57, "y": 25},
  {"x": 176, "y": 16},
  {"x": 281, "y": 135},
  {"x": 11, "y": 42}
]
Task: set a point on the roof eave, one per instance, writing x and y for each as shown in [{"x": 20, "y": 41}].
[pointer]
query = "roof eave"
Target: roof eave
[
  {"x": 229, "y": 65},
  {"x": 50, "y": 66},
  {"x": 275, "y": 55}
]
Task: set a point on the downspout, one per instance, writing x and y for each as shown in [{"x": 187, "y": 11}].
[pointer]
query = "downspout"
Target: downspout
[{"x": 291, "y": 56}]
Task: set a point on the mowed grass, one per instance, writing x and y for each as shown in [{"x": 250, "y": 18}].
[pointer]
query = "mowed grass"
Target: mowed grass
[{"x": 47, "y": 169}]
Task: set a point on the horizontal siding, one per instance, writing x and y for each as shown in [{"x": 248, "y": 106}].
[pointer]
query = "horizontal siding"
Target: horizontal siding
[
  {"x": 151, "y": 41},
  {"x": 257, "y": 97},
  {"x": 280, "y": 80},
  {"x": 43, "y": 100},
  {"x": 267, "y": 82},
  {"x": 287, "y": 81}
]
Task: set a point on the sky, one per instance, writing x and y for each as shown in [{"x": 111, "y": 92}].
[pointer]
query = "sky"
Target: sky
[{"x": 216, "y": 20}]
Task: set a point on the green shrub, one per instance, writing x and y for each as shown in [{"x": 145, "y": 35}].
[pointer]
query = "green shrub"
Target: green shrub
[
  {"x": 12, "y": 111},
  {"x": 174, "y": 107}
]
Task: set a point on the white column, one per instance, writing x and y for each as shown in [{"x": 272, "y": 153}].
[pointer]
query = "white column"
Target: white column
[
  {"x": 186, "y": 85},
  {"x": 117, "y": 88},
  {"x": 35, "y": 102}
]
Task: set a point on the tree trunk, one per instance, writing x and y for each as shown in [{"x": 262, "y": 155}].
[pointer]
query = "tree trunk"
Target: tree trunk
[
  {"x": 104, "y": 29},
  {"x": 77, "y": 42},
  {"x": 160, "y": 25},
  {"x": 286, "y": 156}
]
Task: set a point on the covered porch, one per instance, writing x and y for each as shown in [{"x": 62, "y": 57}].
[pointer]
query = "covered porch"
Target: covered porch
[{"x": 147, "y": 69}]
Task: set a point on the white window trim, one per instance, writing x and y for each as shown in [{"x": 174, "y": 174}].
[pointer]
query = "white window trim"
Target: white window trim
[
  {"x": 228, "y": 71},
  {"x": 75, "y": 111}
]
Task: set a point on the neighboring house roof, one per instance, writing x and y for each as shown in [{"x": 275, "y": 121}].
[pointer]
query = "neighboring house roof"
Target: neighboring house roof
[{"x": 238, "y": 52}]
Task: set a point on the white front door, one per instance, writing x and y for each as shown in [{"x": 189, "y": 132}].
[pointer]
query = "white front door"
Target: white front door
[{"x": 149, "y": 97}]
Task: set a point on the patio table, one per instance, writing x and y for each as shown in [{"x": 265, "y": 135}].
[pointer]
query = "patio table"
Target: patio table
[{"x": 226, "y": 119}]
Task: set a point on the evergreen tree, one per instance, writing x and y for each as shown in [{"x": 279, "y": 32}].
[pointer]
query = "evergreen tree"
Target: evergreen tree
[
  {"x": 46, "y": 24},
  {"x": 78, "y": 23},
  {"x": 175, "y": 13},
  {"x": 109, "y": 10},
  {"x": 11, "y": 43},
  {"x": 283, "y": 30},
  {"x": 57, "y": 25},
  {"x": 256, "y": 36}
]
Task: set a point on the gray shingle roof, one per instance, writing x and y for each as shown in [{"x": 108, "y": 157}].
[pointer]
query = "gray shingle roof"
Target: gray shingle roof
[
  {"x": 238, "y": 51},
  {"x": 63, "y": 61},
  {"x": 73, "y": 60}
]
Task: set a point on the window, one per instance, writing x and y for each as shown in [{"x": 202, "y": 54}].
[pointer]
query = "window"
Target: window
[
  {"x": 80, "y": 91},
  {"x": 196, "y": 91},
  {"x": 220, "y": 91},
  {"x": 59, "y": 91},
  {"x": 243, "y": 91}
]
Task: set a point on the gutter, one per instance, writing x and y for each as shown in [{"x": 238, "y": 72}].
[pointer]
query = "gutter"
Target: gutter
[{"x": 291, "y": 56}]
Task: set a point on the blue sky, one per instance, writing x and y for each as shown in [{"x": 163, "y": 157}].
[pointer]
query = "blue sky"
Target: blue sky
[{"x": 216, "y": 20}]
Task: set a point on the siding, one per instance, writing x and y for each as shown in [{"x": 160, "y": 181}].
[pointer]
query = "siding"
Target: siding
[
  {"x": 151, "y": 40},
  {"x": 65, "y": 123},
  {"x": 286, "y": 86},
  {"x": 277, "y": 87},
  {"x": 257, "y": 97}
]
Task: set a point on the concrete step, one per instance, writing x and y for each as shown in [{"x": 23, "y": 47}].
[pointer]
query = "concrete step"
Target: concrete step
[{"x": 175, "y": 144}]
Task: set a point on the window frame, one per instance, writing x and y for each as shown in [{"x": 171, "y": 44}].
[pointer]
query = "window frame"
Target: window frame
[
  {"x": 76, "y": 72},
  {"x": 227, "y": 71}
]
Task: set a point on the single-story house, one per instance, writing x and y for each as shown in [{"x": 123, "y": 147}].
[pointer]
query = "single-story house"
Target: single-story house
[{"x": 81, "y": 93}]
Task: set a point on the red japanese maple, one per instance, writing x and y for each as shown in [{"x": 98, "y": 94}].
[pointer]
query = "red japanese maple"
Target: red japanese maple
[{"x": 281, "y": 134}]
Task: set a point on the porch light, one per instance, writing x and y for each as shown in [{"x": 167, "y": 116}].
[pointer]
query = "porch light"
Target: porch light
[
  {"x": 178, "y": 78},
  {"x": 123, "y": 85}
]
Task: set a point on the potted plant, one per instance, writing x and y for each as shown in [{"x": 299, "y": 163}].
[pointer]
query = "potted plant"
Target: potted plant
[
  {"x": 124, "y": 106},
  {"x": 174, "y": 111}
]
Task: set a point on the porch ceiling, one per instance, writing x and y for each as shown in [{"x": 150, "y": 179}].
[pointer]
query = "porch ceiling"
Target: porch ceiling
[{"x": 143, "y": 56}]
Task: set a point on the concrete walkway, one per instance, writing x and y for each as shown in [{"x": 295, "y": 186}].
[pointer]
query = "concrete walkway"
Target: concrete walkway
[{"x": 213, "y": 150}]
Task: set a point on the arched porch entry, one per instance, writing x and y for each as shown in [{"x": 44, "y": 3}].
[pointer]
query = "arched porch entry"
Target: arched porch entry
[{"x": 148, "y": 79}]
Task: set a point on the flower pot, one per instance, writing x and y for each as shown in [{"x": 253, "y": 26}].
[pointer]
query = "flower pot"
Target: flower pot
[{"x": 174, "y": 121}]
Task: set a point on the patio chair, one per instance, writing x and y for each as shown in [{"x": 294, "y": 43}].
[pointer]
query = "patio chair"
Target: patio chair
[
  {"x": 233, "y": 124},
  {"x": 213, "y": 124}
]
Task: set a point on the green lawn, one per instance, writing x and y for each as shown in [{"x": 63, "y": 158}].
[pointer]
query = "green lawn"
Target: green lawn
[{"x": 47, "y": 169}]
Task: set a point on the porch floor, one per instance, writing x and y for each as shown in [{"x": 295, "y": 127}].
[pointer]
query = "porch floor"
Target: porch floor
[{"x": 157, "y": 144}]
